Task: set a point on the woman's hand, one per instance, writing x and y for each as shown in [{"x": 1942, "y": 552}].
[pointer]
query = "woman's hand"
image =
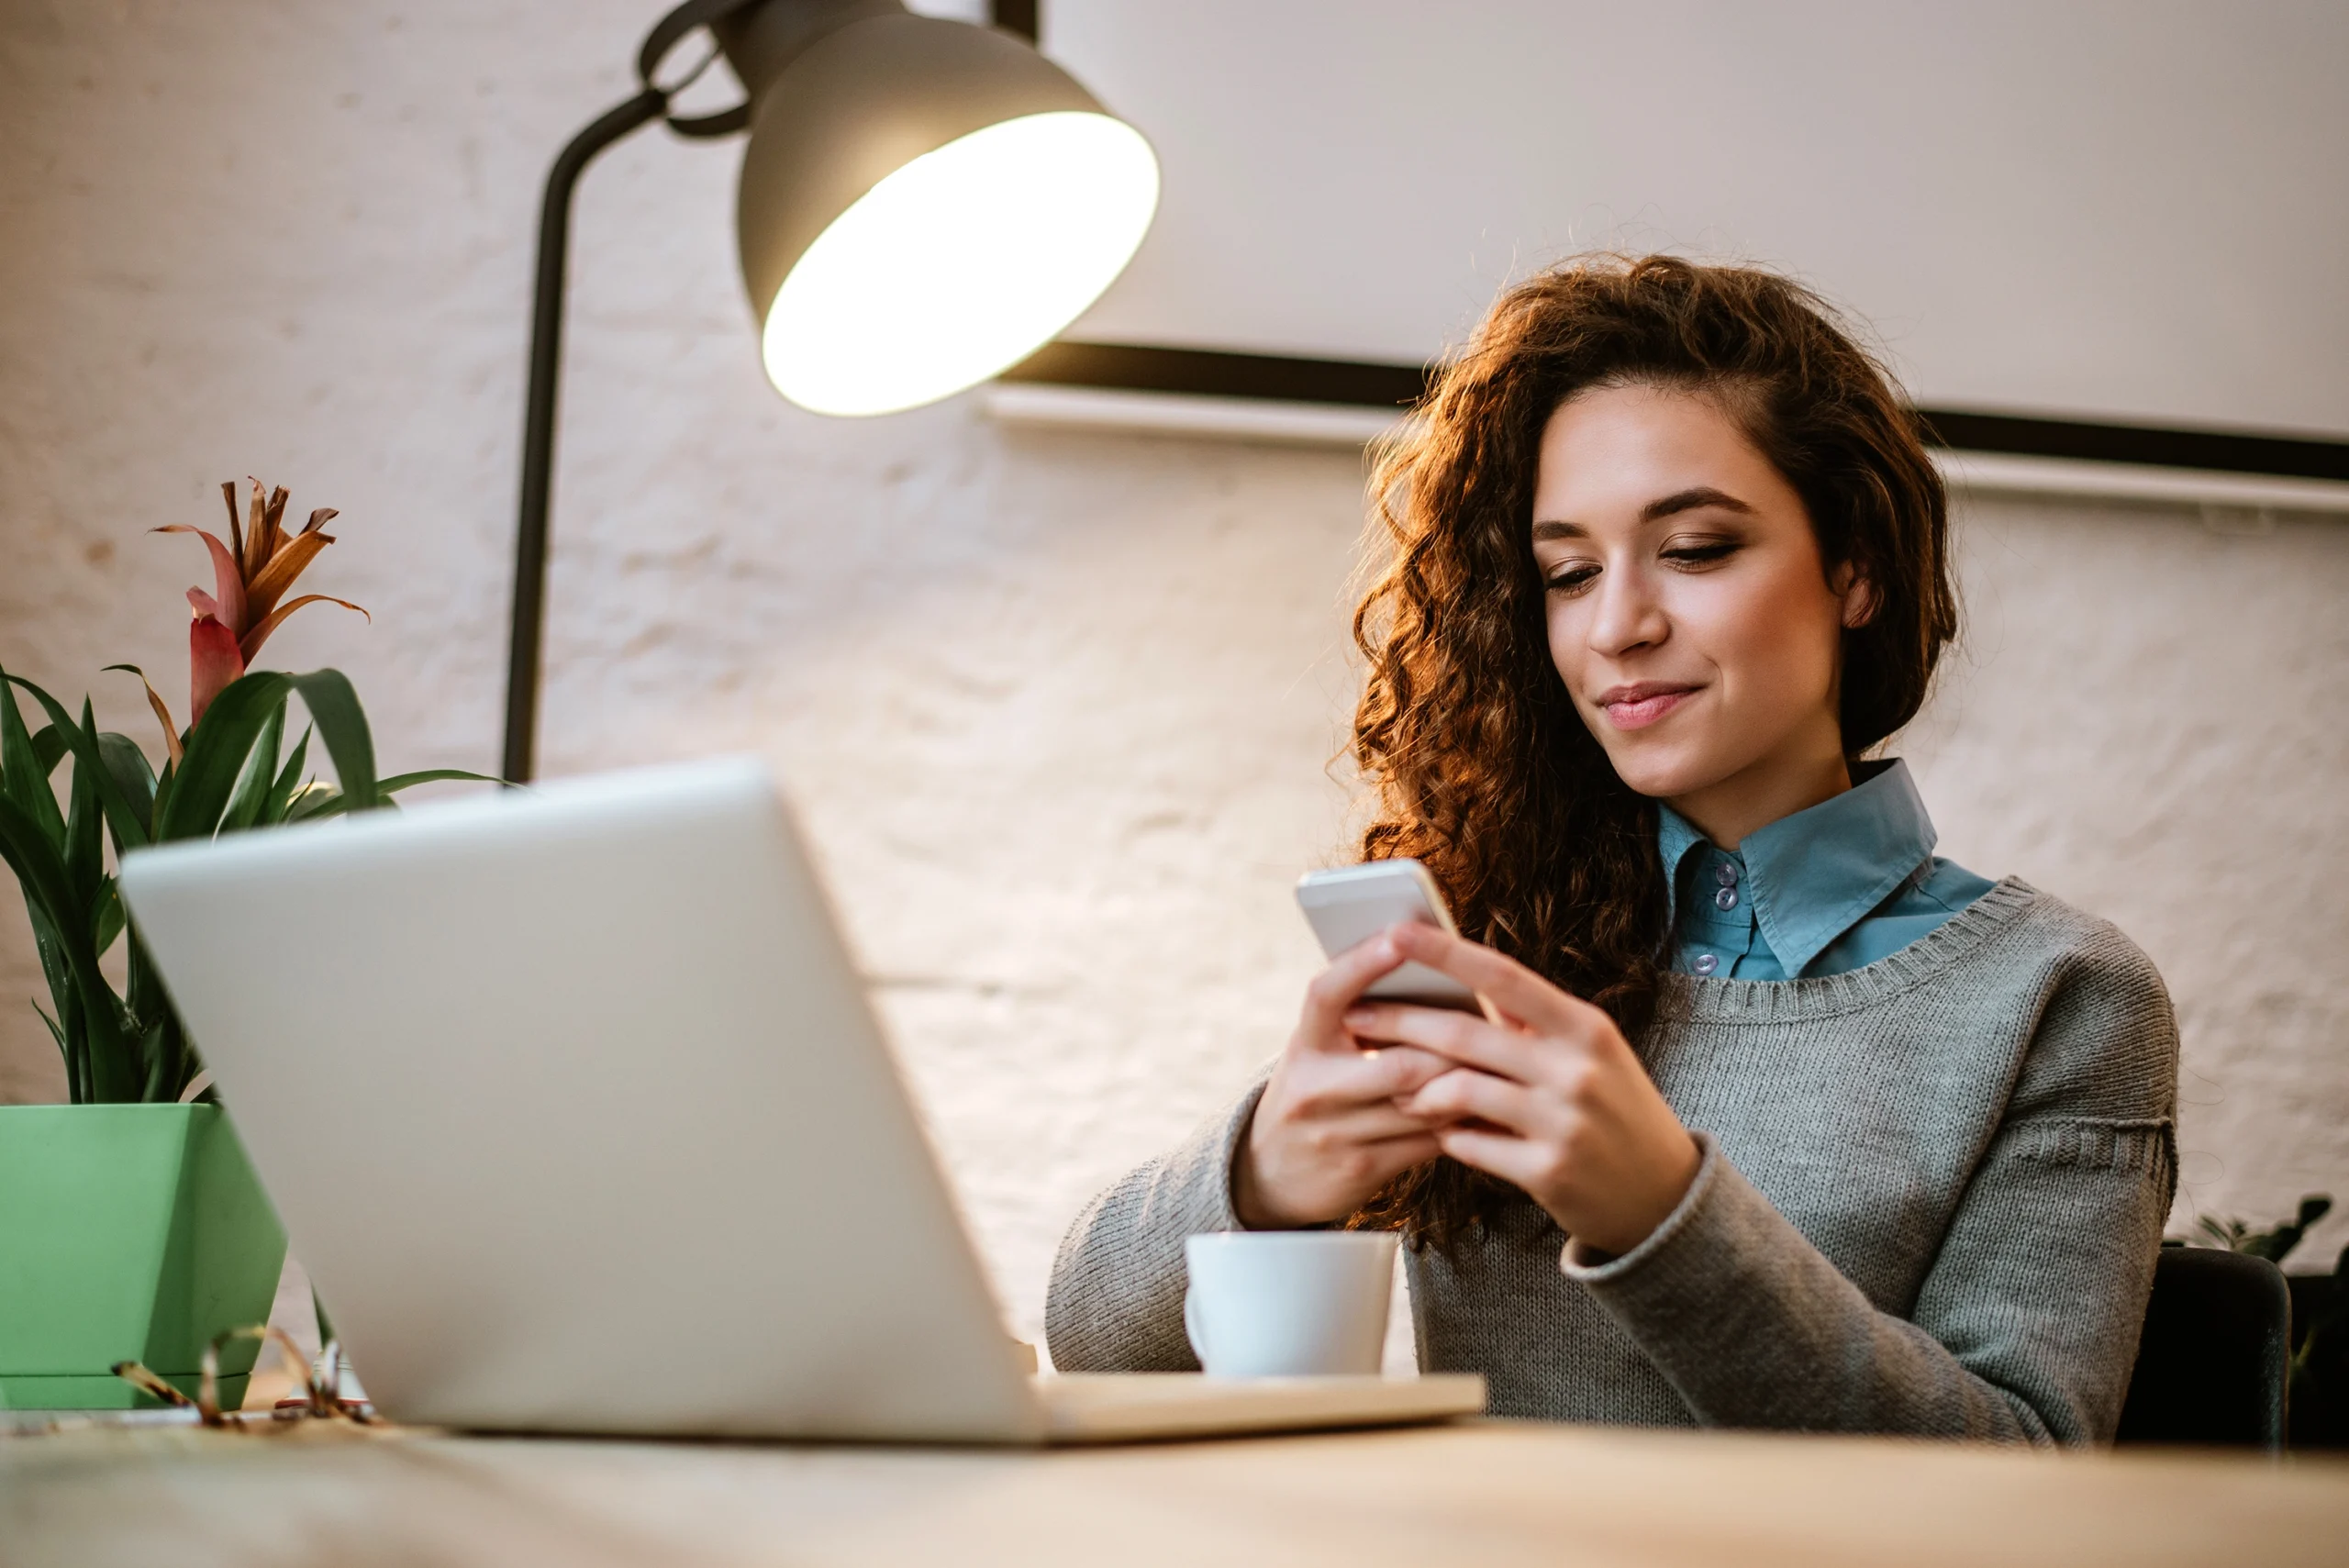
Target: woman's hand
[
  {"x": 1330, "y": 1130},
  {"x": 1551, "y": 1099}
]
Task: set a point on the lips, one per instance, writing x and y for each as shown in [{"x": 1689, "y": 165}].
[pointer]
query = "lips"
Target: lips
[{"x": 1637, "y": 706}]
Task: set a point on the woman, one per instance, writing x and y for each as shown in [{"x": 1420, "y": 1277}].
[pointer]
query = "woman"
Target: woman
[{"x": 1787, "y": 1122}]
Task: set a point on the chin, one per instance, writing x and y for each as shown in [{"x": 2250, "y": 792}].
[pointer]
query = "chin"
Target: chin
[{"x": 1661, "y": 772}]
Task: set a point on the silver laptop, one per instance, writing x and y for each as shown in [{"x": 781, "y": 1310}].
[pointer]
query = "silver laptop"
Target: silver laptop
[{"x": 575, "y": 1109}]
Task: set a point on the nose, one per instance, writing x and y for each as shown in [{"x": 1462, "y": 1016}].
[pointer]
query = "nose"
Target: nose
[{"x": 1629, "y": 614}]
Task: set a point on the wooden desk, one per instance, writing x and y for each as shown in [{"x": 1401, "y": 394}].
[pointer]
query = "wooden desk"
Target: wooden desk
[{"x": 1487, "y": 1493}]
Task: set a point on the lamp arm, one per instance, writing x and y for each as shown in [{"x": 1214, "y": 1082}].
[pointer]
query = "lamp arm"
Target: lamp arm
[{"x": 538, "y": 421}]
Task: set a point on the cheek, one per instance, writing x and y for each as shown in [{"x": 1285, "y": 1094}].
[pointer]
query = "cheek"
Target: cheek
[
  {"x": 1569, "y": 623},
  {"x": 1568, "y": 642},
  {"x": 1775, "y": 638}
]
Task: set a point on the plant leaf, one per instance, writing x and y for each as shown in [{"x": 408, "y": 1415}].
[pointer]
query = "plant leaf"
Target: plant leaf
[
  {"x": 264, "y": 543},
  {"x": 278, "y": 575},
  {"x": 165, "y": 782},
  {"x": 143, "y": 991},
  {"x": 236, "y": 529},
  {"x": 110, "y": 917},
  {"x": 245, "y": 801},
  {"x": 55, "y": 1032},
  {"x": 252, "y": 640},
  {"x": 49, "y": 748},
  {"x": 127, "y": 765},
  {"x": 318, "y": 800},
  {"x": 49, "y": 897},
  {"x": 22, "y": 778},
  {"x": 289, "y": 780},
  {"x": 155, "y": 1061},
  {"x": 216, "y": 749},
  {"x": 128, "y": 824},
  {"x": 252, "y": 523},
  {"x": 342, "y": 725},
  {"x": 398, "y": 781},
  {"x": 195, "y": 800},
  {"x": 84, "y": 820},
  {"x": 68, "y": 1003},
  {"x": 173, "y": 744},
  {"x": 212, "y": 663},
  {"x": 52, "y": 960},
  {"x": 227, "y": 582}
]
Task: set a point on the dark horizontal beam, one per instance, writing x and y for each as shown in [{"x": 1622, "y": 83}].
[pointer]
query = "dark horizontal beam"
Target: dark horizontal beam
[
  {"x": 1212, "y": 372},
  {"x": 2224, "y": 451},
  {"x": 1215, "y": 372}
]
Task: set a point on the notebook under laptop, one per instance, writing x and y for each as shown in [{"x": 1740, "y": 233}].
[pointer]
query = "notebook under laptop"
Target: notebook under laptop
[{"x": 580, "y": 1120}]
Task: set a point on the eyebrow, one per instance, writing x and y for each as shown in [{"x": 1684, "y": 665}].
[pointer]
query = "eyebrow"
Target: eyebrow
[{"x": 1662, "y": 507}]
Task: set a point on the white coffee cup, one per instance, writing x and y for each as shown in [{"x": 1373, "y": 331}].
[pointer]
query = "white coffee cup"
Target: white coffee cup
[{"x": 1290, "y": 1302}]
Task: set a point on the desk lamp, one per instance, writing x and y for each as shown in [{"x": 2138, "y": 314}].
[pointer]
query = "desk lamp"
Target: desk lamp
[{"x": 923, "y": 204}]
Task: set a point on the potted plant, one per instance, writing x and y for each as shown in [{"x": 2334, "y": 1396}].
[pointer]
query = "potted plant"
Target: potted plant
[
  {"x": 131, "y": 1225},
  {"x": 2318, "y": 1398}
]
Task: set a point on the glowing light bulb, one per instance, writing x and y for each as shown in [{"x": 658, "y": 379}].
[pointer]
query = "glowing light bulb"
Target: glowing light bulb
[{"x": 960, "y": 263}]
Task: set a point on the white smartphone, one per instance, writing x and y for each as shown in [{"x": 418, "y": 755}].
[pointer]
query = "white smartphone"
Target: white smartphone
[{"x": 1353, "y": 904}]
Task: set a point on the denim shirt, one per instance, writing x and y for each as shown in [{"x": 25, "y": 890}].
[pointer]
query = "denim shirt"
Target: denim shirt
[{"x": 1829, "y": 889}]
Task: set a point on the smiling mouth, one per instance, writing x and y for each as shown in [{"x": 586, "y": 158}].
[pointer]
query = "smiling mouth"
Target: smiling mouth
[{"x": 1636, "y": 707}]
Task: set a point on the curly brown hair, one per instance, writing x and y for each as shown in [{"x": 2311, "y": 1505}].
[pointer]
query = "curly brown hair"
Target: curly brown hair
[{"x": 1482, "y": 768}]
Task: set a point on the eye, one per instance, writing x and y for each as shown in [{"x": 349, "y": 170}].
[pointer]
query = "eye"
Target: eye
[
  {"x": 1569, "y": 577},
  {"x": 1701, "y": 552}
]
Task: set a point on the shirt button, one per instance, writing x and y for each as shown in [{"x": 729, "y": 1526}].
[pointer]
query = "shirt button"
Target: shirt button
[
  {"x": 1726, "y": 874},
  {"x": 1725, "y": 899},
  {"x": 1706, "y": 963}
]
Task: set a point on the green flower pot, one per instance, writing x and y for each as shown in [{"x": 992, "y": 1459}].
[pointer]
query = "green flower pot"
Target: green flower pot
[{"x": 127, "y": 1232}]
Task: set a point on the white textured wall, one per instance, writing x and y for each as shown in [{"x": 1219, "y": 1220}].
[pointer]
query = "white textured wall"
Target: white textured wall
[{"x": 1057, "y": 707}]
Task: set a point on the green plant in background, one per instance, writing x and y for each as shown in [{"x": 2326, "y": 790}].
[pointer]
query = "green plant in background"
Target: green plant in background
[
  {"x": 228, "y": 771},
  {"x": 2273, "y": 1243},
  {"x": 2320, "y": 1379}
]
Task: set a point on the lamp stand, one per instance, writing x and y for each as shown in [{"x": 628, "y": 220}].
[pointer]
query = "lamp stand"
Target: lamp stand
[{"x": 527, "y": 635}]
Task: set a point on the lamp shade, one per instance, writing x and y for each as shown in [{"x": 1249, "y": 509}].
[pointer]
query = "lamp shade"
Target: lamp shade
[{"x": 923, "y": 205}]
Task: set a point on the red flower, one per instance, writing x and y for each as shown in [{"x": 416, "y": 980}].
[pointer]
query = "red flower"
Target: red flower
[{"x": 250, "y": 576}]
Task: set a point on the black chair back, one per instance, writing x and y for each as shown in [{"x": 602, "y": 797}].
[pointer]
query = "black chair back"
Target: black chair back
[{"x": 2215, "y": 1360}]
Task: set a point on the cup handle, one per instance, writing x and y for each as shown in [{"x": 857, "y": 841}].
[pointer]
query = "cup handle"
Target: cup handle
[{"x": 1192, "y": 1329}]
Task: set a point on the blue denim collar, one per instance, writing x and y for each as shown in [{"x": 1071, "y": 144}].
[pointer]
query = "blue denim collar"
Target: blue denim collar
[{"x": 1812, "y": 876}]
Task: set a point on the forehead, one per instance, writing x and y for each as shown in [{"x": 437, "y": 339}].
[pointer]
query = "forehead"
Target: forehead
[{"x": 1606, "y": 453}]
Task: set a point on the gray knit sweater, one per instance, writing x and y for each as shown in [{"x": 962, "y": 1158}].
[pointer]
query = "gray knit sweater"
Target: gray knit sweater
[{"x": 1931, "y": 1194}]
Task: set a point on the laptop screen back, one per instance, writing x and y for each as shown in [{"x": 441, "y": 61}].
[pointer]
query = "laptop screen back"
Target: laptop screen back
[{"x": 575, "y": 1108}]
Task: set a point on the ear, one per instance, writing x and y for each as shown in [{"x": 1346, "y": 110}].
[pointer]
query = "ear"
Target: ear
[{"x": 1859, "y": 595}]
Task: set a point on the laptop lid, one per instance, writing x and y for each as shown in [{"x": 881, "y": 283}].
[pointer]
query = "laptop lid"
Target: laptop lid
[{"x": 575, "y": 1110}]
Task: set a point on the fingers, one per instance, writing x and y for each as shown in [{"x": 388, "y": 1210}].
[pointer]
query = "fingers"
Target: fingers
[
  {"x": 1337, "y": 987},
  {"x": 1336, "y": 1086},
  {"x": 1462, "y": 1037},
  {"x": 1393, "y": 1156},
  {"x": 1464, "y": 1094},
  {"x": 1314, "y": 1181},
  {"x": 1512, "y": 987},
  {"x": 1515, "y": 1160},
  {"x": 1366, "y": 1168},
  {"x": 1395, "y": 1071},
  {"x": 1369, "y": 1126}
]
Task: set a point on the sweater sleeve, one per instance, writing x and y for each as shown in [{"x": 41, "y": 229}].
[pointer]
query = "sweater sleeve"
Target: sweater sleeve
[
  {"x": 1115, "y": 1303},
  {"x": 2025, "y": 1328}
]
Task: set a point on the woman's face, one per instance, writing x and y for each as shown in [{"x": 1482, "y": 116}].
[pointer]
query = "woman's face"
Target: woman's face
[{"x": 1689, "y": 614}]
